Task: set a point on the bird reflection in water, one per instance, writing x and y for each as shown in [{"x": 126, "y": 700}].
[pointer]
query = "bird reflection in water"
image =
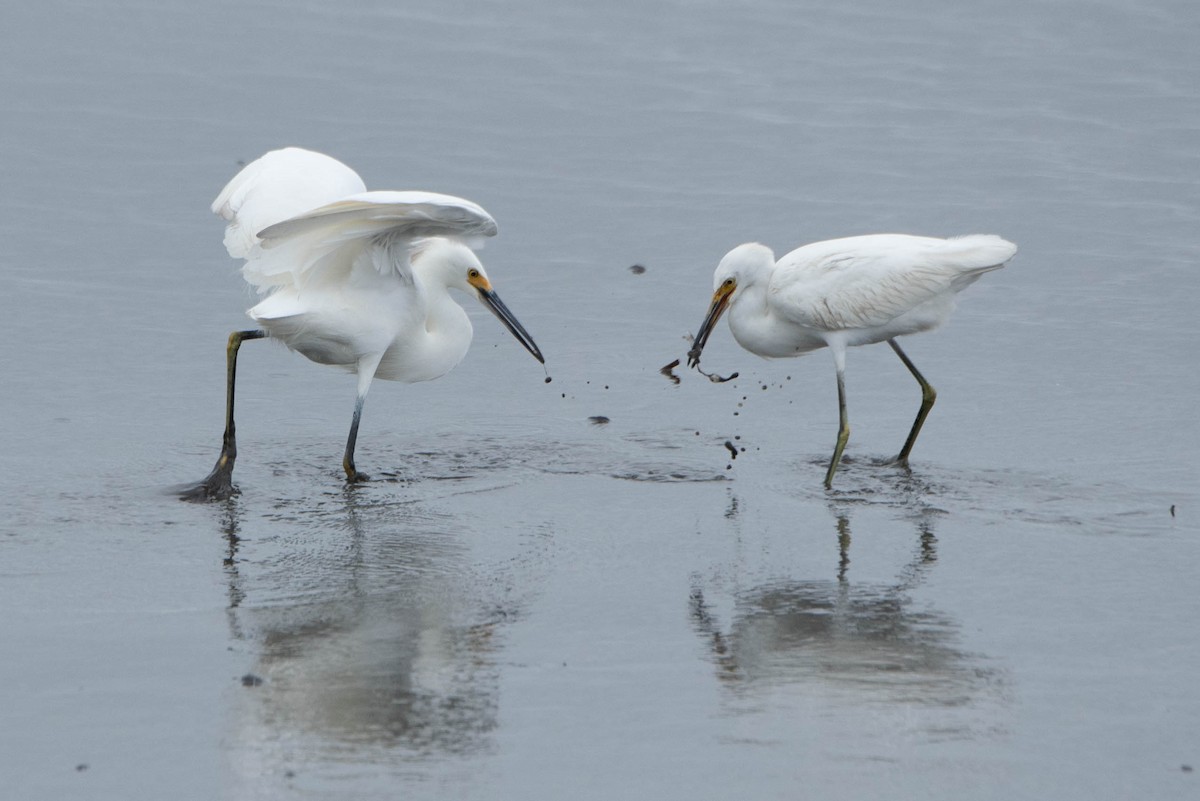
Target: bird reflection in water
[
  {"x": 852, "y": 642},
  {"x": 371, "y": 641}
]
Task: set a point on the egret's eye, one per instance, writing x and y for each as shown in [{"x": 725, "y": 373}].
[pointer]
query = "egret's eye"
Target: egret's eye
[
  {"x": 472, "y": 273},
  {"x": 728, "y": 282}
]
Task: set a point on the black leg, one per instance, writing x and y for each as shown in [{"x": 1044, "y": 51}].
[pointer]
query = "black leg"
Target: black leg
[
  {"x": 219, "y": 484},
  {"x": 928, "y": 396},
  {"x": 352, "y": 475}
]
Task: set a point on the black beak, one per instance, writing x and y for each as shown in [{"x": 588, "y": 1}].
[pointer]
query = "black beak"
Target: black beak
[
  {"x": 720, "y": 302},
  {"x": 493, "y": 302}
]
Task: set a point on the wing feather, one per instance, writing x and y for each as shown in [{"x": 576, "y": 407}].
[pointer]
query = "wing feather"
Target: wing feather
[
  {"x": 412, "y": 214},
  {"x": 277, "y": 186},
  {"x": 868, "y": 281},
  {"x": 298, "y": 217}
]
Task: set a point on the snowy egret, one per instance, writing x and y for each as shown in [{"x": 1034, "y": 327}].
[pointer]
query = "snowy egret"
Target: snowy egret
[
  {"x": 846, "y": 292},
  {"x": 351, "y": 278}
]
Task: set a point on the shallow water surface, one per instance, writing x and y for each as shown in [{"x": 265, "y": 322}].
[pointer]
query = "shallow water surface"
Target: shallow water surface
[{"x": 612, "y": 584}]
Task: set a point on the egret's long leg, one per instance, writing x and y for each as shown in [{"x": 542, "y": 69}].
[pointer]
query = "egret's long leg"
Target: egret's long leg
[
  {"x": 928, "y": 396},
  {"x": 844, "y": 423},
  {"x": 367, "y": 366},
  {"x": 348, "y": 460},
  {"x": 219, "y": 483},
  {"x": 229, "y": 443}
]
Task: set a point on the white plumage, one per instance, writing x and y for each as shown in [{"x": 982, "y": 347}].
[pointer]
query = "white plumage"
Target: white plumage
[
  {"x": 353, "y": 278},
  {"x": 845, "y": 292},
  {"x": 279, "y": 185}
]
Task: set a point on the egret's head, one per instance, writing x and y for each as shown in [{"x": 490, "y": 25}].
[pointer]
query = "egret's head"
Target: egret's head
[
  {"x": 740, "y": 268},
  {"x": 457, "y": 267},
  {"x": 742, "y": 265},
  {"x": 450, "y": 263}
]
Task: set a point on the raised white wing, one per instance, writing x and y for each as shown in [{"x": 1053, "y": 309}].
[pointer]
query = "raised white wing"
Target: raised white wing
[
  {"x": 276, "y": 187},
  {"x": 867, "y": 281},
  {"x": 408, "y": 214},
  {"x": 375, "y": 231},
  {"x": 292, "y": 221}
]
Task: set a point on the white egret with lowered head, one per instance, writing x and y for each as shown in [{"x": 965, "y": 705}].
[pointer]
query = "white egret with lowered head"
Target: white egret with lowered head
[
  {"x": 845, "y": 292},
  {"x": 351, "y": 278}
]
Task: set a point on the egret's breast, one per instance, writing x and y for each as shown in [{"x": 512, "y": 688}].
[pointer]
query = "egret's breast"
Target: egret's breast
[
  {"x": 429, "y": 350},
  {"x": 773, "y": 337}
]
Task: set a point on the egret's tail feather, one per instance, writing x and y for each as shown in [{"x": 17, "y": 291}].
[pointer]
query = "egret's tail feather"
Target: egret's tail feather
[{"x": 979, "y": 251}]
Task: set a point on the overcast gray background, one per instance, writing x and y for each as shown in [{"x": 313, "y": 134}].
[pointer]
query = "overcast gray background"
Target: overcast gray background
[{"x": 528, "y": 605}]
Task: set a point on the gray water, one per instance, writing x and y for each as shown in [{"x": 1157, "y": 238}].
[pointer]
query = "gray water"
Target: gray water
[{"x": 525, "y": 603}]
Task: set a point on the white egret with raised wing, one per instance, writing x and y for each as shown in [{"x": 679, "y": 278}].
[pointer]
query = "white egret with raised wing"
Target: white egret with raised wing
[{"x": 351, "y": 278}]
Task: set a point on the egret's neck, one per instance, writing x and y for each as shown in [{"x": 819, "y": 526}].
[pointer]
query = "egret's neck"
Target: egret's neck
[
  {"x": 749, "y": 309},
  {"x": 446, "y": 335},
  {"x": 754, "y": 323}
]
